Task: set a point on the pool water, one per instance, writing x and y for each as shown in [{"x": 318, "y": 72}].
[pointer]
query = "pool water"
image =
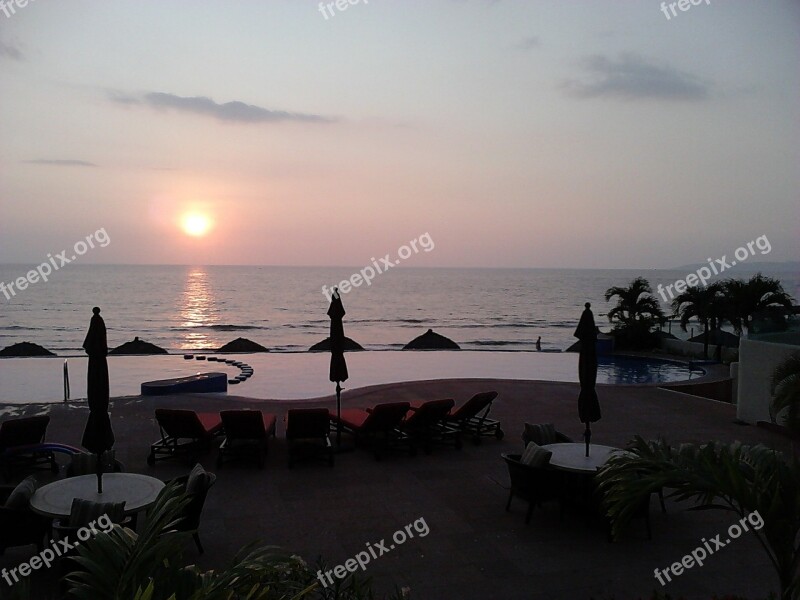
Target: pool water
[
  {"x": 300, "y": 375},
  {"x": 629, "y": 370}
]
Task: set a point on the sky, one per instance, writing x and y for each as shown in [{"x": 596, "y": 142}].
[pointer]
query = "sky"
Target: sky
[{"x": 585, "y": 134}]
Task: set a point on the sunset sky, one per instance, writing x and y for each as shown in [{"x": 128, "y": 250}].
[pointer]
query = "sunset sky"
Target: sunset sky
[{"x": 515, "y": 133}]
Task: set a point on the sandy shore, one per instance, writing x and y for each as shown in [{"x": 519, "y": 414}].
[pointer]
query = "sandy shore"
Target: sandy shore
[{"x": 475, "y": 549}]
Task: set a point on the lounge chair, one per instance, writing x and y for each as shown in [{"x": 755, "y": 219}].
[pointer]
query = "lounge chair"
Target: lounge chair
[
  {"x": 195, "y": 485},
  {"x": 543, "y": 434},
  {"x": 379, "y": 425},
  {"x": 472, "y": 418},
  {"x": 20, "y": 526},
  {"x": 246, "y": 435},
  {"x": 307, "y": 434},
  {"x": 427, "y": 425},
  {"x": 183, "y": 432},
  {"x": 22, "y": 445},
  {"x": 534, "y": 484}
]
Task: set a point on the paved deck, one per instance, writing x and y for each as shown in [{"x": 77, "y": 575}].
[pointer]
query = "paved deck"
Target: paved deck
[{"x": 474, "y": 549}]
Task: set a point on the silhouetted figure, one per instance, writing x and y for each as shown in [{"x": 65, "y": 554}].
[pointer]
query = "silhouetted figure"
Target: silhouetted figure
[
  {"x": 588, "y": 404},
  {"x": 539, "y": 344},
  {"x": 98, "y": 436}
]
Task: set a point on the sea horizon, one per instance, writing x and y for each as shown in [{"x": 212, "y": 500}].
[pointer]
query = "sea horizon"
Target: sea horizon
[{"x": 186, "y": 308}]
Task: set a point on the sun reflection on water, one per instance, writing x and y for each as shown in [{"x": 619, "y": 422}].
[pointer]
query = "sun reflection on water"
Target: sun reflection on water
[{"x": 198, "y": 311}]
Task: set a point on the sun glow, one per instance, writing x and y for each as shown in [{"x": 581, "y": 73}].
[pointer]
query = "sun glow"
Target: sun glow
[{"x": 196, "y": 225}]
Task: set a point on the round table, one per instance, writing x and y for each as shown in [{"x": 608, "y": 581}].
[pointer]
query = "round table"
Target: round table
[
  {"x": 572, "y": 457},
  {"x": 139, "y": 492}
]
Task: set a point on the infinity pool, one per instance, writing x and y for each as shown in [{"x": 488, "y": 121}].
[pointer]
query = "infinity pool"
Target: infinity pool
[{"x": 304, "y": 375}]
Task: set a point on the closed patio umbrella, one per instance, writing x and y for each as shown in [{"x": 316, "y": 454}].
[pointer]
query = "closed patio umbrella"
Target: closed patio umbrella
[
  {"x": 98, "y": 437},
  {"x": 588, "y": 404},
  {"x": 338, "y": 371}
]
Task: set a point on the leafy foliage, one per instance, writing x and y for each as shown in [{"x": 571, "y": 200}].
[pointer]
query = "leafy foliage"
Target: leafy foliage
[
  {"x": 759, "y": 294},
  {"x": 785, "y": 392},
  {"x": 121, "y": 564},
  {"x": 706, "y": 304},
  {"x": 737, "y": 478},
  {"x": 636, "y": 313}
]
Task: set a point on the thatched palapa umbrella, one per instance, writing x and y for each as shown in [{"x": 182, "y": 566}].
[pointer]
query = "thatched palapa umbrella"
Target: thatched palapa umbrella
[{"x": 98, "y": 437}]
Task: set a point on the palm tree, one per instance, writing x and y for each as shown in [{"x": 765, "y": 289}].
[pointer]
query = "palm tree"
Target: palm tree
[
  {"x": 637, "y": 310},
  {"x": 746, "y": 480},
  {"x": 746, "y": 298},
  {"x": 703, "y": 303},
  {"x": 785, "y": 392}
]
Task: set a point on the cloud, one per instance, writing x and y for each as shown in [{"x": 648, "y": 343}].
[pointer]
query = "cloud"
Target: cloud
[
  {"x": 633, "y": 77},
  {"x": 60, "y": 162},
  {"x": 235, "y": 112},
  {"x": 9, "y": 51},
  {"x": 530, "y": 43}
]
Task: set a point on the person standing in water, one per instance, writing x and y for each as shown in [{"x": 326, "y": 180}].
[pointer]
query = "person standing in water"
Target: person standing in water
[{"x": 539, "y": 344}]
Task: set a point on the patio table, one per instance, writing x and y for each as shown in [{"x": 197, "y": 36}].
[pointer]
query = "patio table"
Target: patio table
[
  {"x": 139, "y": 492},
  {"x": 572, "y": 457}
]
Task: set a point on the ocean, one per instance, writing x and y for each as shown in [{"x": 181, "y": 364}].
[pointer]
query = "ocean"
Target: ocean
[{"x": 192, "y": 308}]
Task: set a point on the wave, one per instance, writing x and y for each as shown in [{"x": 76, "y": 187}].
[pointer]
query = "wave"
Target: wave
[{"x": 221, "y": 327}]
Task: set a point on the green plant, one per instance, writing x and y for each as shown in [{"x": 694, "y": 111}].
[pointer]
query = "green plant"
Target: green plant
[
  {"x": 737, "y": 478},
  {"x": 120, "y": 565},
  {"x": 785, "y": 392}
]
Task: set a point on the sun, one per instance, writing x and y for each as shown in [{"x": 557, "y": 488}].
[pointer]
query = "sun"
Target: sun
[{"x": 196, "y": 224}]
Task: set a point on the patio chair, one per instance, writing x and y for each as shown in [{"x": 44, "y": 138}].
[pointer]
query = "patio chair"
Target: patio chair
[
  {"x": 85, "y": 463},
  {"x": 183, "y": 432},
  {"x": 20, "y": 526},
  {"x": 307, "y": 434},
  {"x": 195, "y": 485},
  {"x": 378, "y": 425},
  {"x": 472, "y": 418},
  {"x": 22, "y": 445},
  {"x": 534, "y": 484},
  {"x": 246, "y": 435},
  {"x": 543, "y": 434},
  {"x": 427, "y": 425}
]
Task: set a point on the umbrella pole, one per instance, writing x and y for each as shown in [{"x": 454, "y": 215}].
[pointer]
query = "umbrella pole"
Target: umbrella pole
[
  {"x": 338, "y": 415},
  {"x": 99, "y": 474},
  {"x": 588, "y": 436}
]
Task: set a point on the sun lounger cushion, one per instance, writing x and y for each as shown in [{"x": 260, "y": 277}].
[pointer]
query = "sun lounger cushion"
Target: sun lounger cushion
[
  {"x": 354, "y": 417},
  {"x": 535, "y": 456},
  {"x": 542, "y": 434},
  {"x": 20, "y": 498},
  {"x": 211, "y": 421},
  {"x": 269, "y": 422}
]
